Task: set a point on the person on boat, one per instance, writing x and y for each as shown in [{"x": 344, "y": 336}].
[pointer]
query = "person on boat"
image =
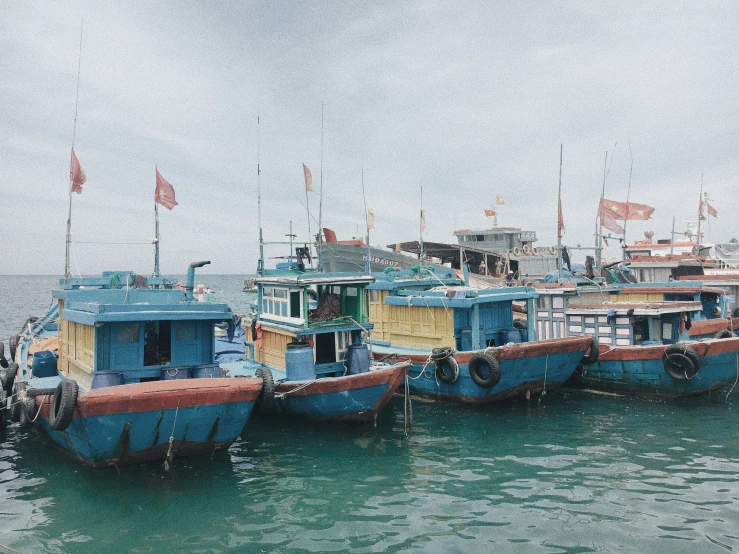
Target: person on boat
[
  {"x": 483, "y": 268},
  {"x": 509, "y": 279}
]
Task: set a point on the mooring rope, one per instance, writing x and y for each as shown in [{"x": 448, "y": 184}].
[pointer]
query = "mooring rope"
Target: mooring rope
[
  {"x": 167, "y": 463},
  {"x": 546, "y": 369},
  {"x": 735, "y": 381},
  {"x": 407, "y": 408},
  {"x": 299, "y": 387}
]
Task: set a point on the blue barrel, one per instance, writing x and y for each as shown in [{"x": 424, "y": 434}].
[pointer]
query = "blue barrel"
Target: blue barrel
[
  {"x": 170, "y": 373},
  {"x": 44, "y": 364},
  {"x": 299, "y": 364},
  {"x": 357, "y": 359},
  {"x": 510, "y": 335},
  {"x": 524, "y": 335},
  {"x": 102, "y": 379},
  {"x": 206, "y": 371},
  {"x": 466, "y": 339}
]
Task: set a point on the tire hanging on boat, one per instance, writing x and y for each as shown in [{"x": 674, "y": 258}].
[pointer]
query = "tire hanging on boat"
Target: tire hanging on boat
[
  {"x": 484, "y": 370},
  {"x": 447, "y": 370},
  {"x": 3, "y": 413},
  {"x": 3, "y": 361},
  {"x": 28, "y": 411},
  {"x": 7, "y": 377},
  {"x": 13, "y": 345},
  {"x": 267, "y": 394},
  {"x": 15, "y": 401},
  {"x": 592, "y": 353},
  {"x": 63, "y": 404},
  {"x": 681, "y": 362},
  {"x": 724, "y": 334}
]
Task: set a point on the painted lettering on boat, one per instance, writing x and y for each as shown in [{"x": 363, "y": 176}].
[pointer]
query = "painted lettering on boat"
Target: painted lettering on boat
[{"x": 382, "y": 261}]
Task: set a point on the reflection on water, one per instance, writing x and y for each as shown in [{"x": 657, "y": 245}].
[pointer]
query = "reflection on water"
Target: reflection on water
[
  {"x": 570, "y": 473},
  {"x": 574, "y": 473}
]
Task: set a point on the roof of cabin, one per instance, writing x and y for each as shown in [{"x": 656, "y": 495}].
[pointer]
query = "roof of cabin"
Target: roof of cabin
[
  {"x": 459, "y": 297},
  {"x": 91, "y": 306},
  {"x": 635, "y": 308},
  {"x": 296, "y": 278},
  {"x": 712, "y": 277},
  {"x": 687, "y": 289}
]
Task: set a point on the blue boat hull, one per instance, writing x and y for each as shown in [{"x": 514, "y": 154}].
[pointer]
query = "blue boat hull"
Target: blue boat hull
[{"x": 640, "y": 371}]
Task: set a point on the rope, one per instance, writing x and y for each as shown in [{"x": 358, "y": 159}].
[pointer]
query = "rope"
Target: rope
[
  {"x": 168, "y": 459},
  {"x": 296, "y": 389},
  {"x": 407, "y": 409},
  {"x": 10, "y": 549},
  {"x": 546, "y": 369},
  {"x": 37, "y": 413},
  {"x": 735, "y": 382}
]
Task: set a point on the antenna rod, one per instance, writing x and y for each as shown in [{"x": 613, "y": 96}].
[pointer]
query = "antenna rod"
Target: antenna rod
[
  {"x": 367, "y": 265},
  {"x": 559, "y": 218},
  {"x": 320, "y": 201},
  {"x": 310, "y": 239},
  {"x": 628, "y": 191},
  {"x": 156, "y": 238},
  {"x": 599, "y": 228},
  {"x": 700, "y": 216},
  {"x": 74, "y": 134},
  {"x": 423, "y": 224},
  {"x": 260, "y": 264}
]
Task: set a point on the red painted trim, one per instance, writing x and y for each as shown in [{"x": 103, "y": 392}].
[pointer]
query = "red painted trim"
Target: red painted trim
[
  {"x": 711, "y": 326},
  {"x": 707, "y": 347},
  {"x": 361, "y": 381}
]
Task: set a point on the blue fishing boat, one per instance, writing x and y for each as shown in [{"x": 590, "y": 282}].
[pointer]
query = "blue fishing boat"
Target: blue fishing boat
[
  {"x": 135, "y": 379},
  {"x": 308, "y": 344},
  {"x": 647, "y": 349},
  {"x": 463, "y": 343}
]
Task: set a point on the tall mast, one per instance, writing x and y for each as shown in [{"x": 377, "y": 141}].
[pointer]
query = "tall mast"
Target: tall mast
[
  {"x": 156, "y": 237},
  {"x": 628, "y": 191},
  {"x": 367, "y": 265},
  {"x": 74, "y": 133},
  {"x": 559, "y": 218},
  {"x": 320, "y": 200},
  {"x": 260, "y": 264},
  {"x": 310, "y": 238},
  {"x": 599, "y": 228},
  {"x": 700, "y": 216},
  {"x": 422, "y": 224}
]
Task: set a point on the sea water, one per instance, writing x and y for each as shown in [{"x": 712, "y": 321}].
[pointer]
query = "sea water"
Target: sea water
[{"x": 569, "y": 472}]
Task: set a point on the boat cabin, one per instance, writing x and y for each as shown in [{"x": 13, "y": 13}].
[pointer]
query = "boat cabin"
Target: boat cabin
[
  {"x": 432, "y": 312},
  {"x": 136, "y": 333},
  {"x": 322, "y": 310},
  {"x": 632, "y": 324}
]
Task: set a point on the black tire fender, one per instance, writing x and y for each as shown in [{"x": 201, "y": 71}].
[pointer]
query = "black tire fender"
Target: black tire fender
[
  {"x": 592, "y": 353},
  {"x": 724, "y": 334},
  {"x": 7, "y": 377},
  {"x": 447, "y": 370},
  {"x": 267, "y": 394},
  {"x": 681, "y": 362},
  {"x": 27, "y": 412},
  {"x": 63, "y": 404},
  {"x": 3, "y": 361},
  {"x": 15, "y": 401},
  {"x": 484, "y": 370},
  {"x": 13, "y": 345}
]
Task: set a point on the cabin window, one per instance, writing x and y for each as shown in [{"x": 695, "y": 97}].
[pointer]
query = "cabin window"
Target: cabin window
[
  {"x": 281, "y": 303},
  {"x": 374, "y": 295},
  {"x": 325, "y": 348},
  {"x": 543, "y": 302},
  {"x": 479, "y": 238},
  {"x": 641, "y": 330},
  {"x": 295, "y": 304},
  {"x": 157, "y": 343},
  {"x": 127, "y": 333},
  {"x": 558, "y": 303},
  {"x": 667, "y": 331}
]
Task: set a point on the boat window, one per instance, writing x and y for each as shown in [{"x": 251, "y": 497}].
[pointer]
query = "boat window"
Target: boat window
[
  {"x": 656, "y": 329},
  {"x": 127, "y": 333},
  {"x": 157, "y": 343},
  {"x": 295, "y": 303},
  {"x": 374, "y": 295},
  {"x": 558, "y": 303},
  {"x": 479, "y": 238},
  {"x": 325, "y": 348},
  {"x": 351, "y": 291},
  {"x": 543, "y": 302},
  {"x": 667, "y": 331},
  {"x": 641, "y": 330}
]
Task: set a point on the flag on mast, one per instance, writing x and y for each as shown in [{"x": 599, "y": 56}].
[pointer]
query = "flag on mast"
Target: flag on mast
[
  {"x": 624, "y": 210},
  {"x": 370, "y": 219},
  {"x": 164, "y": 192},
  {"x": 76, "y": 174},
  {"x": 560, "y": 219},
  {"x": 423, "y": 220},
  {"x": 308, "y": 178},
  {"x": 711, "y": 210},
  {"x": 489, "y": 213},
  {"x": 499, "y": 200}
]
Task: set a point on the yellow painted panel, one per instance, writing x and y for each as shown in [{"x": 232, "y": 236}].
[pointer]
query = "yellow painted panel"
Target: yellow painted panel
[
  {"x": 648, "y": 297},
  {"x": 274, "y": 344}
]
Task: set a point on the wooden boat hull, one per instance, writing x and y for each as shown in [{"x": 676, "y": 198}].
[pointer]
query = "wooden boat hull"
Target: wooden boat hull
[
  {"x": 639, "y": 370},
  {"x": 525, "y": 368},
  {"x": 354, "y": 398},
  {"x": 133, "y": 423}
]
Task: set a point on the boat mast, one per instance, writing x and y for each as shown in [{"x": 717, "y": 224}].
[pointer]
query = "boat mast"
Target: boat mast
[
  {"x": 74, "y": 133},
  {"x": 628, "y": 191},
  {"x": 422, "y": 227},
  {"x": 156, "y": 237},
  {"x": 320, "y": 200},
  {"x": 559, "y": 219},
  {"x": 700, "y": 216},
  {"x": 599, "y": 225},
  {"x": 367, "y": 266},
  {"x": 260, "y": 263}
]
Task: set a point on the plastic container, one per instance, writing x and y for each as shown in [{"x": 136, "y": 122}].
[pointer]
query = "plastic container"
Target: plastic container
[
  {"x": 170, "y": 373},
  {"x": 510, "y": 335},
  {"x": 299, "y": 363},
  {"x": 357, "y": 359},
  {"x": 102, "y": 379},
  {"x": 44, "y": 364},
  {"x": 206, "y": 371}
]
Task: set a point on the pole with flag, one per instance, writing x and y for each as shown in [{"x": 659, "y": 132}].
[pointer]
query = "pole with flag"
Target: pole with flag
[
  {"x": 369, "y": 224},
  {"x": 628, "y": 191},
  {"x": 308, "y": 188},
  {"x": 320, "y": 200},
  {"x": 560, "y": 221},
  {"x": 164, "y": 195},
  {"x": 700, "y": 217},
  {"x": 76, "y": 175}
]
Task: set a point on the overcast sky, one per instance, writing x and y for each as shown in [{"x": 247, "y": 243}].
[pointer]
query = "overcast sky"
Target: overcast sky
[{"x": 469, "y": 100}]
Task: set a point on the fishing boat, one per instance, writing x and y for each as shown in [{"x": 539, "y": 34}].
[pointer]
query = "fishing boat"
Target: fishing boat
[
  {"x": 135, "y": 379},
  {"x": 463, "y": 343},
  {"x": 647, "y": 349},
  {"x": 308, "y": 345}
]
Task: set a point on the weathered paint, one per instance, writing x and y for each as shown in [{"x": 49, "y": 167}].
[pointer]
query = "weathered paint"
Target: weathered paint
[
  {"x": 133, "y": 423},
  {"x": 639, "y": 370}
]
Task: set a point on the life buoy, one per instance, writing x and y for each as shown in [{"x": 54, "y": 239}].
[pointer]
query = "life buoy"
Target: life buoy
[
  {"x": 63, "y": 404},
  {"x": 267, "y": 395},
  {"x": 681, "y": 362},
  {"x": 484, "y": 370},
  {"x": 447, "y": 370},
  {"x": 592, "y": 353},
  {"x": 516, "y": 251},
  {"x": 724, "y": 334},
  {"x": 7, "y": 377},
  {"x": 519, "y": 324},
  {"x": 535, "y": 251},
  {"x": 552, "y": 250},
  {"x": 526, "y": 249}
]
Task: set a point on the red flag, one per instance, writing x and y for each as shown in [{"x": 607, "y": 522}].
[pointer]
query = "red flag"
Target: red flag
[
  {"x": 560, "y": 220},
  {"x": 499, "y": 200},
  {"x": 308, "y": 178},
  {"x": 370, "y": 219},
  {"x": 610, "y": 223},
  {"x": 711, "y": 210},
  {"x": 489, "y": 213},
  {"x": 76, "y": 174},
  {"x": 164, "y": 193},
  {"x": 624, "y": 210},
  {"x": 423, "y": 220}
]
